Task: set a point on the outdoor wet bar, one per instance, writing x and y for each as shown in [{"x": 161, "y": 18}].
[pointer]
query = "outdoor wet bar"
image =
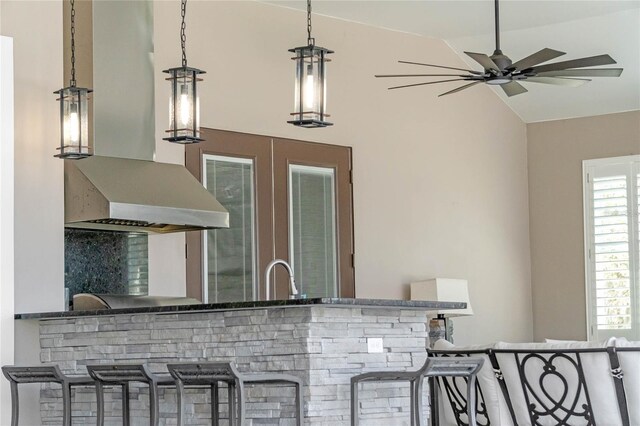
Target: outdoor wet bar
[{"x": 322, "y": 342}]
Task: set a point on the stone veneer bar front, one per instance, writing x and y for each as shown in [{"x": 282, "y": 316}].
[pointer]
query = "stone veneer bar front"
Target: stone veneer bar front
[{"x": 322, "y": 341}]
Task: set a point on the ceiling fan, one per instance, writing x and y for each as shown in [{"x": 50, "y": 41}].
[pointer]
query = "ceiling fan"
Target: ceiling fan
[{"x": 500, "y": 70}]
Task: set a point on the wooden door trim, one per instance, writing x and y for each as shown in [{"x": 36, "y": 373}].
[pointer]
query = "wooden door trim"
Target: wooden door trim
[
  {"x": 266, "y": 152},
  {"x": 288, "y": 151},
  {"x": 242, "y": 145}
]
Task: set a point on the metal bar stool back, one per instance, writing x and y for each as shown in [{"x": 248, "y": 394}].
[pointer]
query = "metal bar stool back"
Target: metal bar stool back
[
  {"x": 432, "y": 368},
  {"x": 208, "y": 374},
  {"x": 465, "y": 368},
  {"x": 42, "y": 374},
  {"x": 212, "y": 373},
  {"x": 121, "y": 375}
]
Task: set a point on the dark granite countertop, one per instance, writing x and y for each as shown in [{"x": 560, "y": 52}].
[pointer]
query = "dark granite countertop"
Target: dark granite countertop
[{"x": 333, "y": 302}]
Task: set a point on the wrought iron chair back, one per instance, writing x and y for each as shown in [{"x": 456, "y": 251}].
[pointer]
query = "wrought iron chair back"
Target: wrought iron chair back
[
  {"x": 553, "y": 385},
  {"x": 627, "y": 379}
]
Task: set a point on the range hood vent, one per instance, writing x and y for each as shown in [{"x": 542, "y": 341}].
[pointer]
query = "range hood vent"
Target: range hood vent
[{"x": 118, "y": 194}]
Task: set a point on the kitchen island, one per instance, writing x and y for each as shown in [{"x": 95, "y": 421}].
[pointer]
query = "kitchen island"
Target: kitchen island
[{"x": 323, "y": 341}]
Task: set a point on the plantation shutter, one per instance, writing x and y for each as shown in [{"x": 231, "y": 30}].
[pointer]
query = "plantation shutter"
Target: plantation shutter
[{"x": 612, "y": 246}]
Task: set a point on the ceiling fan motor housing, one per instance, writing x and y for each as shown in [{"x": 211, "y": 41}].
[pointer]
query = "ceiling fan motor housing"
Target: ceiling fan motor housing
[{"x": 501, "y": 60}]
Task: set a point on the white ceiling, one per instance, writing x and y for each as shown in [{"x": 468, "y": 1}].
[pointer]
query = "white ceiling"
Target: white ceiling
[{"x": 580, "y": 28}]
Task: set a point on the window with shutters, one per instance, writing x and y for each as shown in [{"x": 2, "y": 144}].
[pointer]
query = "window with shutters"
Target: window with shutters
[{"x": 612, "y": 246}]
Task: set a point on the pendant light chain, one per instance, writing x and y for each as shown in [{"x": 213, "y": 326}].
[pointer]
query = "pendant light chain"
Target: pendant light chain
[
  {"x": 72, "y": 83},
  {"x": 183, "y": 35},
  {"x": 310, "y": 40},
  {"x": 497, "y": 21}
]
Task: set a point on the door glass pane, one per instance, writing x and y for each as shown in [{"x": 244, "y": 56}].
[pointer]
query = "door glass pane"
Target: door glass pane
[
  {"x": 230, "y": 254},
  {"x": 312, "y": 230}
]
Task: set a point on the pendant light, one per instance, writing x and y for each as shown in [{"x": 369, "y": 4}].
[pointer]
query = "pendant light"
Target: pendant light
[
  {"x": 74, "y": 109},
  {"x": 311, "y": 82},
  {"x": 184, "y": 104}
]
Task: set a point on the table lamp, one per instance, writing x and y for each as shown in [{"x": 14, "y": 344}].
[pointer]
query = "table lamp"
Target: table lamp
[{"x": 444, "y": 290}]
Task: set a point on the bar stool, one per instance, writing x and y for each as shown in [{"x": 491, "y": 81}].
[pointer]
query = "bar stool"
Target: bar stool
[
  {"x": 433, "y": 367},
  {"x": 122, "y": 375},
  {"x": 212, "y": 373},
  {"x": 43, "y": 374}
]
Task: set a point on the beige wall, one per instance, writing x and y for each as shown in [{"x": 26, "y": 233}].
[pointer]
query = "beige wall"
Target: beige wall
[
  {"x": 36, "y": 28},
  {"x": 6, "y": 220},
  {"x": 555, "y": 153},
  {"x": 440, "y": 184}
]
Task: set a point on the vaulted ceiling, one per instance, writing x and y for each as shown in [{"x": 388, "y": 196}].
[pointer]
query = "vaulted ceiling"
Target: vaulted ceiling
[{"x": 579, "y": 28}]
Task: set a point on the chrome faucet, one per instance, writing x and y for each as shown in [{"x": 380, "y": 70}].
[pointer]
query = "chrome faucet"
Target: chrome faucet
[{"x": 293, "y": 291}]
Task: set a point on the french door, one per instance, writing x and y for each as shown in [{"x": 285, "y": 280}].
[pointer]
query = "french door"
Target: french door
[{"x": 286, "y": 199}]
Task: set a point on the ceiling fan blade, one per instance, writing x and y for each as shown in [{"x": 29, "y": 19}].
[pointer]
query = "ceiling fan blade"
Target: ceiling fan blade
[
  {"x": 423, "y": 84},
  {"x": 466, "y": 86},
  {"x": 591, "y": 72},
  {"x": 439, "y": 66},
  {"x": 543, "y": 55},
  {"x": 421, "y": 75},
  {"x": 486, "y": 62},
  {"x": 576, "y": 63},
  {"x": 559, "y": 81},
  {"x": 513, "y": 88}
]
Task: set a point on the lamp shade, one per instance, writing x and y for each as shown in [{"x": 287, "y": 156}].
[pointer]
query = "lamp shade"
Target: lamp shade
[{"x": 443, "y": 290}]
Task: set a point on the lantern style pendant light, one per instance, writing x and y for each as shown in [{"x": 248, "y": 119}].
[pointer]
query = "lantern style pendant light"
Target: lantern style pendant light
[
  {"x": 311, "y": 82},
  {"x": 74, "y": 110},
  {"x": 184, "y": 104}
]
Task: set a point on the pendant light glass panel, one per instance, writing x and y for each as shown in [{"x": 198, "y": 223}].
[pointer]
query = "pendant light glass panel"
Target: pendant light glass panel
[
  {"x": 184, "y": 105},
  {"x": 310, "y": 99},
  {"x": 74, "y": 122}
]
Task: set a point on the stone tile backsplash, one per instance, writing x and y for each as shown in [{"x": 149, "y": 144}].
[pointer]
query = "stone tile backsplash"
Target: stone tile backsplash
[{"x": 105, "y": 262}]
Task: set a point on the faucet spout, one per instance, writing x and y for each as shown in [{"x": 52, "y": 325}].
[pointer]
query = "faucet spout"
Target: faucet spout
[{"x": 293, "y": 290}]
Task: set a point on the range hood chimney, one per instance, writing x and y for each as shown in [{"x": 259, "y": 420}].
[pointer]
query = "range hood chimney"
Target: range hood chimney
[{"x": 121, "y": 188}]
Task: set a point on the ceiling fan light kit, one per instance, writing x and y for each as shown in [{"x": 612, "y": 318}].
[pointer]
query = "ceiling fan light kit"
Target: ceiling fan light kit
[{"x": 499, "y": 70}]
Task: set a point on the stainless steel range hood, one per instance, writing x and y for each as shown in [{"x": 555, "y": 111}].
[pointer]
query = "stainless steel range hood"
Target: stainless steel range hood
[
  {"x": 121, "y": 188},
  {"x": 118, "y": 194}
]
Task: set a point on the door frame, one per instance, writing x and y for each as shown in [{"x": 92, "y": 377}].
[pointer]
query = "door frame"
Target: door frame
[{"x": 272, "y": 157}]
